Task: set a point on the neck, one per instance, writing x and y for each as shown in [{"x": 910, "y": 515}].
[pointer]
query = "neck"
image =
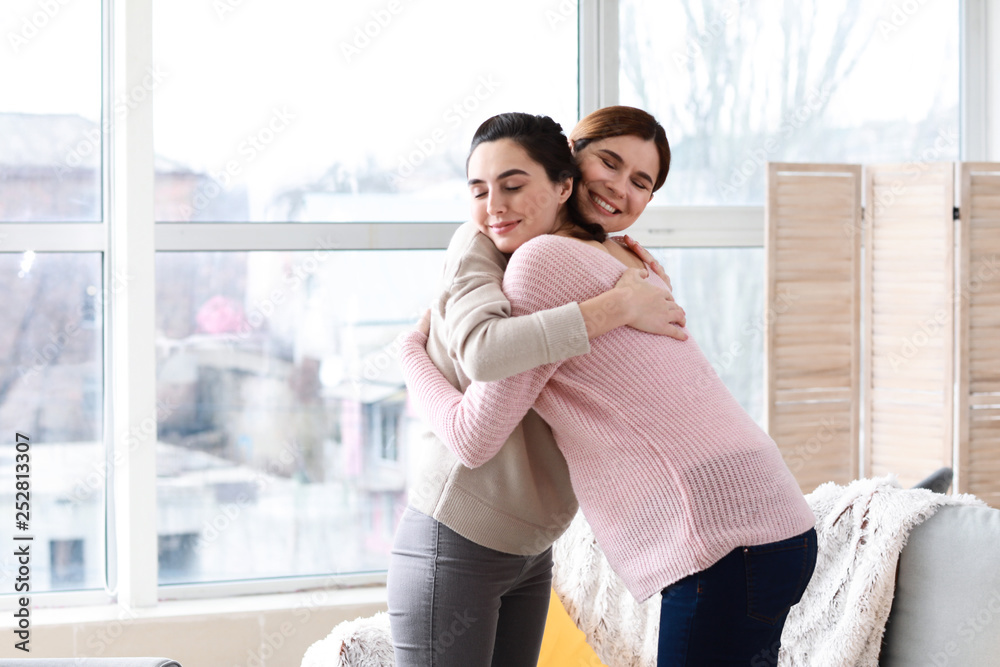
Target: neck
[{"x": 564, "y": 226}]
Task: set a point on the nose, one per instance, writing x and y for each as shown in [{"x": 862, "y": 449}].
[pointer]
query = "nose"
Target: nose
[
  {"x": 617, "y": 185},
  {"x": 496, "y": 203}
]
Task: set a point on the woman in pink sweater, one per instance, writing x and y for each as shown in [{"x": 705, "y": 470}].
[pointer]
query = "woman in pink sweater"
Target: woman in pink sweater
[{"x": 686, "y": 495}]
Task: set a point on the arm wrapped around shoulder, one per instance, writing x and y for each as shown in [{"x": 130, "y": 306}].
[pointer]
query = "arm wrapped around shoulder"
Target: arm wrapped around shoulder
[
  {"x": 474, "y": 425},
  {"x": 486, "y": 341}
]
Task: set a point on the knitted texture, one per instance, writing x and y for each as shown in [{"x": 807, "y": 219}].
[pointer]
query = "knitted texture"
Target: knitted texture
[
  {"x": 669, "y": 470},
  {"x": 521, "y": 500}
]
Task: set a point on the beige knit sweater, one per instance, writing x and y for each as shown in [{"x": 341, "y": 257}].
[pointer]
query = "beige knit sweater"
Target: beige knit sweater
[{"x": 521, "y": 500}]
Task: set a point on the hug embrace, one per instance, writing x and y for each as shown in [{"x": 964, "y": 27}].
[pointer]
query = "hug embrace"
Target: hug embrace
[{"x": 554, "y": 371}]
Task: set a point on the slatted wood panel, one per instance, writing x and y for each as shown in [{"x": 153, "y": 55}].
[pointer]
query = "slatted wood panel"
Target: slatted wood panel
[
  {"x": 909, "y": 319},
  {"x": 812, "y": 339},
  {"x": 979, "y": 332}
]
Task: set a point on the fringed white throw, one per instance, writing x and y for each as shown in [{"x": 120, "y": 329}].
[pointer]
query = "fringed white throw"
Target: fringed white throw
[{"x": 862, "y": 528}]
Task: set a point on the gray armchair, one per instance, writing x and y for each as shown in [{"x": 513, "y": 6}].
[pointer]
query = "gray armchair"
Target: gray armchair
[{"x": 946, "y": 609}]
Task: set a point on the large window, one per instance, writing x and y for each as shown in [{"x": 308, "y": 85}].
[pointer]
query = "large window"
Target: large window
[
  {"x": 738, "y": 84},
  {"x": 51, "y": 390},
  {"x": 281, "y": 433},
  {"x": 51, "y": 342},
  {"x": 285, "y": 415},
  {"x": 50, "y": 152},
  {"x": 284, "y": 434},
  {"x": 354, "y": 112}
]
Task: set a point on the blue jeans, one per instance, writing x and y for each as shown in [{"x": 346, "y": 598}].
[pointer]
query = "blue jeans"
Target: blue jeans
[
  {"x": 733, "y": 612},
  {"x": 455, "y": 603}
]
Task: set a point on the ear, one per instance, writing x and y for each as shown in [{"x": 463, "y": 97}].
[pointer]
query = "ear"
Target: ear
[
  {"x": 565, "y": 190},
  {"x": 571, "y": 148}
]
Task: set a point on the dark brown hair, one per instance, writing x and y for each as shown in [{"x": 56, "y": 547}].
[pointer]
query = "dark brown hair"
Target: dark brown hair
[
  {"x": 543, "y": 140},
  {"x": 617, "y": 121}
]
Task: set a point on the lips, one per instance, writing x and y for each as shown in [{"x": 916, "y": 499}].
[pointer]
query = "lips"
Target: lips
[
  {"x": 602, "y": 205},
  {"x": 503, "y": 227}
]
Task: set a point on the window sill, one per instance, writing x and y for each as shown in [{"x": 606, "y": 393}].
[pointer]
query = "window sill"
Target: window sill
[{"x": 264, "y": 630}]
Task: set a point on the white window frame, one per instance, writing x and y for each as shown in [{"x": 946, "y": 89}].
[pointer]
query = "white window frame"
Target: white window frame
[{"x": 129, "y": 239}]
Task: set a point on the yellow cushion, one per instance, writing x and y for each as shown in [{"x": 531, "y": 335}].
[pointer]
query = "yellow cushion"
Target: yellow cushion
[{"x": 564, "y": 644}]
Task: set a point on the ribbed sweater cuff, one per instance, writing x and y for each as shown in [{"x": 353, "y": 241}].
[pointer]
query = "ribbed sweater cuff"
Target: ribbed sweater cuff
[
  {"x": 565, "y": 332},
  {"x": 423, "y": 379},
  {"x": 418, "y": 369}
]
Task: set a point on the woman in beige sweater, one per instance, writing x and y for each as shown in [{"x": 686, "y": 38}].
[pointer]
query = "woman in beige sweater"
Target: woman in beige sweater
[{"x": 470, "y": 572}]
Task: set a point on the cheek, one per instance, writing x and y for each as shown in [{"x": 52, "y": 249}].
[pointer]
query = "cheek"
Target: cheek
[
  {"x": 587, "y": 177},
  {"x": 477, "y": 213},
  {"x": 639, "y": 202},
  {"x": 538, "y": 204}
]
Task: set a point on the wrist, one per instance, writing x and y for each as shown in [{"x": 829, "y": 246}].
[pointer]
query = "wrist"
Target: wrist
[
  {"x": 609, "y": 310},
  {"x": 623, "y": 306},
  {"x": 412, "y": 337}
]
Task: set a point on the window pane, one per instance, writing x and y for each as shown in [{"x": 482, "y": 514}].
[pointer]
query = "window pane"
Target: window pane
[
  {"x": 283, "y": 429},
  {"x": 51, "y": 390},
  {"x": 739, "y": 84},
  {"x": 50, "y": 110},
  {"x": 722, "y": 292},
  {"x": 354, "y": 112}
]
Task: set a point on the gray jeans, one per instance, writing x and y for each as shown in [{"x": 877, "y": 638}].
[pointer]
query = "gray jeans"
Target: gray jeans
[{"x": 454, "y": 602}]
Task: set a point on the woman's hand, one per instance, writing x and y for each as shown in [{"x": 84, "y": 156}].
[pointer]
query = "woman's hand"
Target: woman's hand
[
  {"x": 424, "y": 325},
  {"x": 643, "y": 254},
  {"x": 650, "y": 308}
]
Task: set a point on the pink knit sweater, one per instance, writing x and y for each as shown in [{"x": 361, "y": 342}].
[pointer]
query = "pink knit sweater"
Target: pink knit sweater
[{"x": 670, "y": 471}]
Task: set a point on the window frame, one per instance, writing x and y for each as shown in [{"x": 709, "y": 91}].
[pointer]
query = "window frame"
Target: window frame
[{"x": 129, "y": 238}]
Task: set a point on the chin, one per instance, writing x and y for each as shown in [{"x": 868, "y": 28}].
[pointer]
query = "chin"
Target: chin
[
  {"x": 612, "y": 225},
  {"x": 616, "y": 226},
  {"x": 506, "y": 246}
]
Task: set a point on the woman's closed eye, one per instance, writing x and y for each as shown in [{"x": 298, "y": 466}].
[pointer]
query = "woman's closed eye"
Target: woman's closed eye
[{"x": 479, "y": 194}]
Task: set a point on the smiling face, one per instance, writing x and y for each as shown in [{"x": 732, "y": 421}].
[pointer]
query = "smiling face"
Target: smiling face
[
  {"x": 617, "y": 183},
  {"x": 513, "y": 200}
]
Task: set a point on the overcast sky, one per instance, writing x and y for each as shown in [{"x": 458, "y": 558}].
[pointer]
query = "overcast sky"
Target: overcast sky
[{"x": 382, "y": 80}]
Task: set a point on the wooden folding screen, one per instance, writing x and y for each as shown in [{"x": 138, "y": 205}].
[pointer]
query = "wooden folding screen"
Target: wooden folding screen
[
  {"x": 909, "y": 314},
  {"x": 927, "y": 339},
  {"x": 812, "y": 332},
  {"x": 979, "y": 332}
]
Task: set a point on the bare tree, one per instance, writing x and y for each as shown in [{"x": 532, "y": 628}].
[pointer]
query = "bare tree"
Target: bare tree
[{"x": 741, "y": 108}]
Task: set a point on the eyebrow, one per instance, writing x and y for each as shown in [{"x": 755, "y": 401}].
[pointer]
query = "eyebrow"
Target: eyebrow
[
  {"x": 641, "y": 174},
  {"x": 509, "y": 172}
]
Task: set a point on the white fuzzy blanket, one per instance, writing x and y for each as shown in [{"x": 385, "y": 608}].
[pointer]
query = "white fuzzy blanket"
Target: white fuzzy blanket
[
  {"x": 862, "y": 527},
  {"x": 363, "y": 642},
  {"x": 621, "y": 631}
]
